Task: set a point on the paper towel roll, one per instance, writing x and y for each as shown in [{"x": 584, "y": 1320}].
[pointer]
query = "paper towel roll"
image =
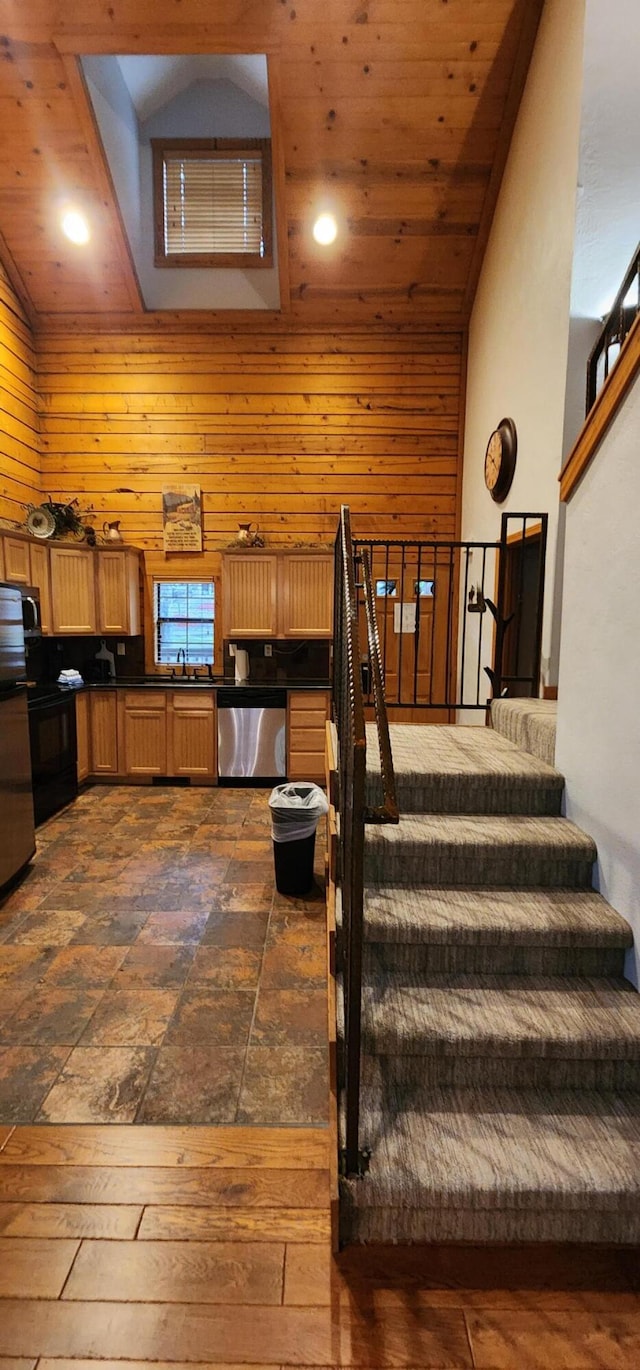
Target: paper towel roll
[{"x": 242, "y": 665}]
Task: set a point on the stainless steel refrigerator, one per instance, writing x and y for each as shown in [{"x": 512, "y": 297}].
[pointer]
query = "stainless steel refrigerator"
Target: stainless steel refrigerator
[{"x": 17, "y": 832}]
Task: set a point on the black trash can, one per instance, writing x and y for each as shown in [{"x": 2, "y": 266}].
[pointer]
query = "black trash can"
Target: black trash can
[{"x": 295, "y": 812}]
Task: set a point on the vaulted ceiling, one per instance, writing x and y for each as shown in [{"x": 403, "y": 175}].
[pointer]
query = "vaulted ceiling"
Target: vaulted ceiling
[{"x": 397, "y": 112}]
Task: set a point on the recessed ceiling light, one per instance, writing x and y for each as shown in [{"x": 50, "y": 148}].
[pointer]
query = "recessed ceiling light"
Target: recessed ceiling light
[
  {"x": 325, "y": 229},
  {"x": 75, "y": 225}
]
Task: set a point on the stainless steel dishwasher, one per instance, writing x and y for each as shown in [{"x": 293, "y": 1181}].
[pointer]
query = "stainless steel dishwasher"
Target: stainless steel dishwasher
[{"x": 252, "y": 735}]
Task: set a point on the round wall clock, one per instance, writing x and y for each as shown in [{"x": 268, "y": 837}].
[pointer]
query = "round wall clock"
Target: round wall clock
[{"x": 500, "y": 460}]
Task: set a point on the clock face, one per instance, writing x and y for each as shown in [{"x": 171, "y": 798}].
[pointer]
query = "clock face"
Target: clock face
[
  {"x": 500, "y": 460},
  {"x": 492, "y": 461}
]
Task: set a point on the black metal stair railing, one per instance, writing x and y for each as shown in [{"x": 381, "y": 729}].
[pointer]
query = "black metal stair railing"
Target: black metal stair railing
[{"x": 352, "y": 810}]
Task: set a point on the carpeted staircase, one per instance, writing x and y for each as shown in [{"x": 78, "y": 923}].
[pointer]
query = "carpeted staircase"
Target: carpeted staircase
[{"x": 501, "y": 1043}]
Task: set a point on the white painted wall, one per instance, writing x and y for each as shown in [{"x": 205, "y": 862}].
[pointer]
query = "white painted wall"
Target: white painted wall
[
  {"x": 598, "y": 738},
  {"x": 519, "y": 329}
]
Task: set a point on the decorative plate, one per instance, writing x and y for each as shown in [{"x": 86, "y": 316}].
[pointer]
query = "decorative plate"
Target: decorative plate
[{"x": 41, "y": 522}]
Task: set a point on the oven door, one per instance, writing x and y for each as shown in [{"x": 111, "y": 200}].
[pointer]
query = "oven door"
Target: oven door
[{"x": 52, "y": 733}]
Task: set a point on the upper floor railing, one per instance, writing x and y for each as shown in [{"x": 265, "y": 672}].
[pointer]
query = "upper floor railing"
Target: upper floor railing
[{"x": 615, "y": 330}]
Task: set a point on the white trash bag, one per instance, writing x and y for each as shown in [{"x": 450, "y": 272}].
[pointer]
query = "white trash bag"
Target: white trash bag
[{"x": 296, "y": 809}]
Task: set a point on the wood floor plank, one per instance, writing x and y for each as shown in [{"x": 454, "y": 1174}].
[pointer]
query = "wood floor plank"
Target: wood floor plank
[
  {"x": 47, "y": 1364},
  {"x": 390, "y": 1278},
  {"x": 194, "y": 1332},
  {"x": 536, "y": 1340},
  {"x": 34, "y": 1267},
  {"x": 236, "y": 1224},
  {"x": 268, "y": 1148},
  {"x": 233, "y": 1187},
  {"x": 11, "y": 1364},
  {"x": 178, "y": 1272},
  {"x": 69, "y": 1220}
]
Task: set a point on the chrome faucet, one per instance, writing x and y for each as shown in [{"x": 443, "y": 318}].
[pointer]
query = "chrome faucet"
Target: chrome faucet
[{"x": 182, "y": 653}]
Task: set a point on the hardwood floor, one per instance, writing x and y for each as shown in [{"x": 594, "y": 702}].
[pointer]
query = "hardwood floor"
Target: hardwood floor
[
  {"x": 121, "y": 1246},
  {"x": 140, "y": 1247}
]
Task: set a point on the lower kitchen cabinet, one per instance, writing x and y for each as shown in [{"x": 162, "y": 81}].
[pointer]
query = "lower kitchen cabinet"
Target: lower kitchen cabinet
[
  {"x": 82, "y": 737},
  {"x": 191, "y": 735},
  {"x": 143, "y": 733},
  {"x": 307, "y": 712},
  {"x": 103, "y": 732}
]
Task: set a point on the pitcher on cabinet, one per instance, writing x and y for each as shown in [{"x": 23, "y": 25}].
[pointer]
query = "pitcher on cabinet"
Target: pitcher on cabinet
[{"x": 112, "y": 532}]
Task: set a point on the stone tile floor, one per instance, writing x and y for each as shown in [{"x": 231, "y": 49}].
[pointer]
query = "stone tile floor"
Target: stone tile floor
[{"x": 150, "y": 973}]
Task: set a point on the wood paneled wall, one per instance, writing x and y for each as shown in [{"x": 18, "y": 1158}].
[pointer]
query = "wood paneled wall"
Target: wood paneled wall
[
  {"x": 279, "y": 428},
  {"x": 19, "y": 405}
]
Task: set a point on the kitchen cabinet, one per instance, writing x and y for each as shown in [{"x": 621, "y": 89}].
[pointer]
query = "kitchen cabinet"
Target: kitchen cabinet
[
  {"x": 249, "y": 595},
  {"x": 306, "y": 596},
  {"x": 103, "y": 732},
  {"x": 82, "y": 736},
  {"x": 282, "y": 594},
  {"x": 143, "y": 732},
  {"x": 73, "y": 590},
  {"x": 118, "y": 586},
  {"x": 307, "y": 713},
  {"x": 26, "y": 562},
  {"x": 17, "y": 567},
  {"x": 191, "y": 734}
]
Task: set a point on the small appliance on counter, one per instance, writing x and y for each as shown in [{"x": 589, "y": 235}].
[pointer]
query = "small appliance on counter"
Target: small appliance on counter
[
  {"x": 241, "y": 657},
  {"x": 16, "y": 799}
]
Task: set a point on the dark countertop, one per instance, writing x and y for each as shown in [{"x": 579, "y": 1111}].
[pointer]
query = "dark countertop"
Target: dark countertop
[{"x": 41, "y": 692}]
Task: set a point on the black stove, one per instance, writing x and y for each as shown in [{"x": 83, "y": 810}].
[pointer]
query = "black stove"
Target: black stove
[{"x": 52, "y": 735}]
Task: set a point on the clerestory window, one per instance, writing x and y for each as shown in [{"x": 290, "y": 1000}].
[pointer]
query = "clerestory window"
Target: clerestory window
[{"x": 212, "y": 202}]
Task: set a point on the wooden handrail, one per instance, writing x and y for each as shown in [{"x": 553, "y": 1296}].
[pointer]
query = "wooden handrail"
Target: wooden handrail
[{"x": 600, "y": 417}]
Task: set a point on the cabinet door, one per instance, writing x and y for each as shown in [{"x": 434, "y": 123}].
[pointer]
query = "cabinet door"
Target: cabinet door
[
  {"x": 103, "y": 732},
  {"x": 82, "y": 736},
  {"x": 118, "y": 593},
  {"x": 308, "y": 713},
  {"x": 40, "y": 577},
  {"x": 2, "y": 574},
  {"x": 73, "y": 591},
  {"x": 145, "y": 734},
  {"x": 17, "y": 568},
  {"x": 307, "y": 596},
  {"x": 192, "y": 735},
  {"x": 249, "y": 598}
]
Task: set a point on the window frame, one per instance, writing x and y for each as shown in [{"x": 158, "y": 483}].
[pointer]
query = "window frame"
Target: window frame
[
  {"x": 166, "y": 667},
  {"x": 223, "y": 149}
]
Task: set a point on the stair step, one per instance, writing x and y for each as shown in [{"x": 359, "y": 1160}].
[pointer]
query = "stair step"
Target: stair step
[
  {"x": 529, "y": 723},
  {"x": 494, "y": 931},
  {"x": 453, "y": 850},
  {"x": 499, "y": 1166},
  {"x": 502, "y": 1031},
  {"x": 452, "y": 769}
]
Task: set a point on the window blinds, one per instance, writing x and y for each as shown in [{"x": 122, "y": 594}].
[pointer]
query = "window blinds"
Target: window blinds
[{"x": 213, "y": 203}]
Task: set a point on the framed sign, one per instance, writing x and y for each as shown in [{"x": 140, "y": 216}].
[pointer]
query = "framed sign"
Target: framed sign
[{"x": 182, "y": 518}]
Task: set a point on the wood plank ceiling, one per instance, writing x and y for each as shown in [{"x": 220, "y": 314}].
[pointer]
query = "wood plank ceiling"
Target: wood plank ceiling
[{"x": 400, "y": 110}]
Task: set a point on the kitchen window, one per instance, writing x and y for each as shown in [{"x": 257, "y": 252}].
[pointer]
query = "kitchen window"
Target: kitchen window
[
  {"x": 184, "y": 615},
  {"x": 212, "y": 202}
]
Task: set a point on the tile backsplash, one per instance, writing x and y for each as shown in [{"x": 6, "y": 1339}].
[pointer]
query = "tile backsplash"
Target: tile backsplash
[{"x": 289, "y": 660}]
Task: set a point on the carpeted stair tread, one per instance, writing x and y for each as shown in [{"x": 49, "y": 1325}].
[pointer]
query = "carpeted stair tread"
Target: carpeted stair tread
[
  {"x": 530, "y": 724},
  {"x": 497, "y": 1165},
  {"x": 486, "y": 1148},
  {"x": 490, "y": 917},
  {"x": 498, "y": 850},
  {"x": 495, "y": 1016},
  {"x": 451, "y": 769}
]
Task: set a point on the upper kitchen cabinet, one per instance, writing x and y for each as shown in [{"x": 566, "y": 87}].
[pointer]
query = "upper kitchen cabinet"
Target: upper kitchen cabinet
[
  {"x": 306, "y": 598},
  {"x": 250, "y": 595},
  {"x": 26, "y": 562},
  {"x": 118, "y": 583},
  {"x": 282, "y": 594},
  {"x": 73, "y": 590}
]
